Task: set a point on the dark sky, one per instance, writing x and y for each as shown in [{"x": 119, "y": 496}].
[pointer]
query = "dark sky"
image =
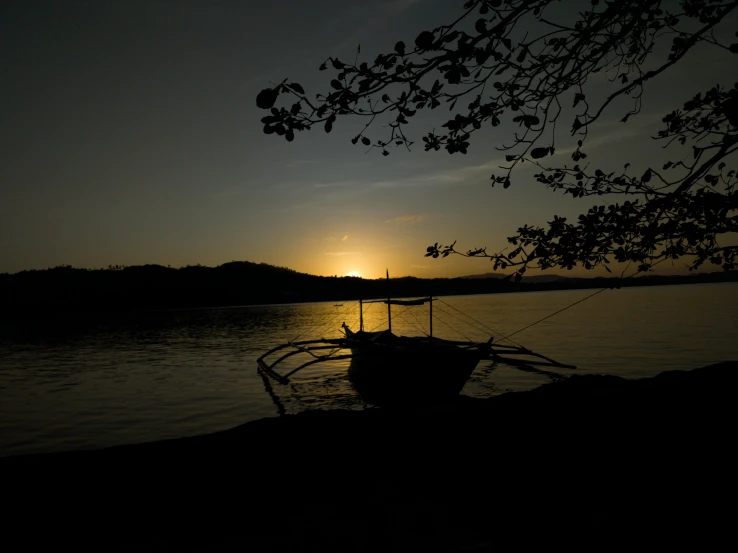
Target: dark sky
[{"x": 129, "y": 135}]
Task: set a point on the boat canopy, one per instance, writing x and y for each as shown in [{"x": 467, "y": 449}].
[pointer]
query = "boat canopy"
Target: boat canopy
[{"x": 420, "y": 301}]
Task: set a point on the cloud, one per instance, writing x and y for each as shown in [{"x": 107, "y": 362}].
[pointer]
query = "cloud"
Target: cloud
[
  {"x": 344, "y": 238},
  {"x": 342, "y": 253},
  {"x": 410, "y": 219}
]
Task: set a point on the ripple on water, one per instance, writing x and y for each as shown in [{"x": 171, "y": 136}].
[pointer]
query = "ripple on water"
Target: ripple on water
[{"x": 100, "y": 380}]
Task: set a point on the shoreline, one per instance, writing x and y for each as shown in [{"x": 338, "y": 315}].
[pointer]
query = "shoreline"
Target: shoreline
[
  {"x": 646, "y": 454},
  {"x": 73, "y": 298}
]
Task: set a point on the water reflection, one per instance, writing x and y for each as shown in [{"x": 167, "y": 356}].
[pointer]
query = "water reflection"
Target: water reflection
[{"x": 96, "y": 380}]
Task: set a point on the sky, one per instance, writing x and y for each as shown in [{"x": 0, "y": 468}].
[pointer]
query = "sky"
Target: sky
[{"x": 130, "y": 135}]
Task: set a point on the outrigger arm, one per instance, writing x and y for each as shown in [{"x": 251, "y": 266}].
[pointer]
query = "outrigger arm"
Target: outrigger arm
[{"x": 301, "y": 347}]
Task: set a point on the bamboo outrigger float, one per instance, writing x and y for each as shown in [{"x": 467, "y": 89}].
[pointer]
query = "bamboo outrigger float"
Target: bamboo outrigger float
[{"x": 386, "y": 368}]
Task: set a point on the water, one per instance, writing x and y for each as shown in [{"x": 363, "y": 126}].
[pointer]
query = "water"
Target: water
[{"x": 82, "y": 382}]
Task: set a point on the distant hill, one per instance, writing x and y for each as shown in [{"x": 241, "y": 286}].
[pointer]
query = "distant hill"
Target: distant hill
[
  {"x": 529, "y": 279},
  {"x": 118, "y": 288}
]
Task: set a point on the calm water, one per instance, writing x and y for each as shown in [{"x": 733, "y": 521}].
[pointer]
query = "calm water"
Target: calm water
[{"x": 94, "y": 381}]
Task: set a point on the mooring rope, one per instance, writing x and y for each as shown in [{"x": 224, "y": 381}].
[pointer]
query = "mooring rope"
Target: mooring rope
[
  {"x": 484, "y": 326},
  {"x": 552, "y": 314},
  {"x": 581, "y": 300},
  {"x": 422, "y": 328},
  {"x": 453, "y": 329},
  {"x": 441, "y": 310}
]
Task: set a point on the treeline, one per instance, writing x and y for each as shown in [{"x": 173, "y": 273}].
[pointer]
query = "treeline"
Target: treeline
[{"x": 65, "y": 289}]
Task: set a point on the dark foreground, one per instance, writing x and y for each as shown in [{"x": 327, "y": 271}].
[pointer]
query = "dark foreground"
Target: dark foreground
[{"x": 593, "y": 461}]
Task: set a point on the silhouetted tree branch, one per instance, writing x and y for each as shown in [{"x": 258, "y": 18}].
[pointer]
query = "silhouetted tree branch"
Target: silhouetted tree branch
[{"x": 517, "y": 63}]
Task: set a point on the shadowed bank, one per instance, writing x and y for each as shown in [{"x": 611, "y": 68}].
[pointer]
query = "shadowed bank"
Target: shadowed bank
[
  {"x": 64, "y": 289},
  {"x": 593, "y": 460}
]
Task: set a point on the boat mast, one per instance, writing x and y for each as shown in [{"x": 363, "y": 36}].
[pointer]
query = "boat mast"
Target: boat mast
[
  {"x": 389, "y": 309},
  {"x": 361, "y": 314},
  {"x": 430, "y": 299}
]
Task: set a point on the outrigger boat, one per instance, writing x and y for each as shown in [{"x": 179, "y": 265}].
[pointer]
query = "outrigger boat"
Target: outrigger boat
[{"x": 386, "y": 369}]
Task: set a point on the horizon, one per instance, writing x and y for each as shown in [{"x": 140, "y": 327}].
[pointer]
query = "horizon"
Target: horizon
[
  {"x": 132, "y": 137},
  {"x": 551, "y": 273}
]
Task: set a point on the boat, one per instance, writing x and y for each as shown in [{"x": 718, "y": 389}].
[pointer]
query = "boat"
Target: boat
[{"x": 390, "y": 370}]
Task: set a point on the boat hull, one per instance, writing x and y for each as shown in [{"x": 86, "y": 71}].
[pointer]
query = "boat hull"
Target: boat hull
[{"x": 406, "y": 375}]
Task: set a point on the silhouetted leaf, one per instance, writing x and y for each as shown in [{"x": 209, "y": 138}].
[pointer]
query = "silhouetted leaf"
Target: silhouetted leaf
[
  {"x": 734, "y": 48},
  {"x": 538, "y": 153},
  {"x": 297, "y": 88},
  {"x": 266, "y": 98},
  {"x": 289, "y": 135},
  {"x": 481, "y": 26},
  {"x": 335, "y": 83},
  {"x": 365, "y": 141},
  {"x": 425, "y": 40},
  {"x": 329, "y": 123},
  {"x": 646, "y": 176},
  {"x": 400, "y": 48}
]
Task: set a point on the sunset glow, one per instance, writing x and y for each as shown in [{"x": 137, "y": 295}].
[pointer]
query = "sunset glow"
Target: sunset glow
[
  {"x": 353, "y": 274},
  {"x": 156, "y": 192}
]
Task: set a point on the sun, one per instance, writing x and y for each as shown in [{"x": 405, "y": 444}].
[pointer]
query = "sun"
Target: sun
[{"x": 353, "y": 274}]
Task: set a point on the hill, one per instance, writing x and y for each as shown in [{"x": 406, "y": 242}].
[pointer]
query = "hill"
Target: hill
[{"x": 69, "y": 289}]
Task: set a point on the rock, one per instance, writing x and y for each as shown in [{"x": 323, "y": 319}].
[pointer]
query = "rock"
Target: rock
[{"x": 591, "y": 457}]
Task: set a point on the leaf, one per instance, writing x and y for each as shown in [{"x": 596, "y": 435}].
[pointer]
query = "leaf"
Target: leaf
[
  {"x": 646, "y": 176},
  {"x": 289, "y": 135},
  {"x": 365, "y": 141},
  {"x": 329, "y": 123},
  {"x": 336, "y": 84},
  {"x": 578, "y": 97},
  {"x": 733, "y": 48},
  {"x": 297, "y": 88},
  {"x": 538, "y": 153},
  {"x": 338, "y": 64},
  {"x": 266, "y": 98},
  {"x": 425, "y": 40},
  {"x": 480, "y": 26},
  {"x": 400, "y": 48}
]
